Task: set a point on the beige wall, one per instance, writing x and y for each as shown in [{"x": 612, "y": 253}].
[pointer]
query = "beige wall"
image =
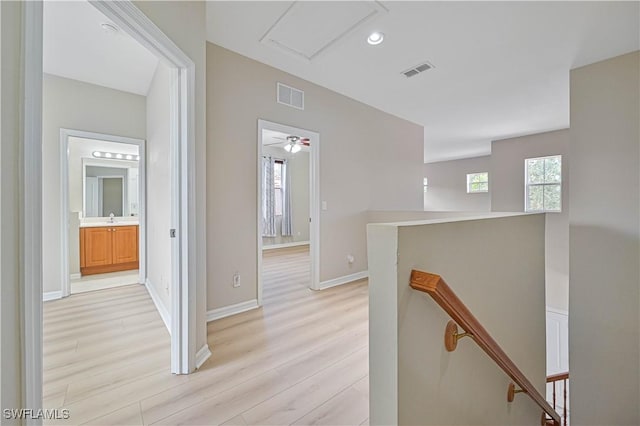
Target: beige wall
[
  {"x": 158, "y": 184},
  {"x": 507, "y": 195},
  {"x": 413, "y": 379},
  {"x": 448, "y": 185},
  {"x": 300, "y": 200},
  {"x": 368, "y": 160},
  {"x": 184, "y": 23},
  {"x": 72, "y": 104},
  {"x": 604, "y": 239},
  {"x": 10, "y": 194}
]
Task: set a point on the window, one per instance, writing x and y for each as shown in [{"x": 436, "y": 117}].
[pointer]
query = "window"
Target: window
[
  {"x": 277, "y": 185},
  {"x": 425, "y": 183},
  {"x": 543, "y": 184},
  {"x": 477, "y": 182}
]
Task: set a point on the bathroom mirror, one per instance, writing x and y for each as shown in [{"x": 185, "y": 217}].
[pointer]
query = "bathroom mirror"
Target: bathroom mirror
[{"x": 110, "y": 187}]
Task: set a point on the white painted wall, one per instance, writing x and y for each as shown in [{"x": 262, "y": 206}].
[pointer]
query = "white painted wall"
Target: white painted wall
[
  {"x": 507, "y": 195},
  {"x": 604, "y": 210},
  {"x": 448, "y": 185},
  {"x": 498, "y": 273},
  {"x": 10, "y": 192},
  {"x": 300, "y": 199},
  {"x": 76, "y": 105},
  {"x": 189, "y": 34},
  {"x": 158, "y": 185},
  {"x": 368, "y": 160}
]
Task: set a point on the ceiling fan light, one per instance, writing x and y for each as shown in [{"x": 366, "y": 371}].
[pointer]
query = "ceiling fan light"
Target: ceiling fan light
[
  {"x": 295, "y": 148},
  {"x": 288, "y": 147}
]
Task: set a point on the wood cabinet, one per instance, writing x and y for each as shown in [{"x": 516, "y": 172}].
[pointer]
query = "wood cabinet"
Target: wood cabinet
[{"x": 108, "y": 249}]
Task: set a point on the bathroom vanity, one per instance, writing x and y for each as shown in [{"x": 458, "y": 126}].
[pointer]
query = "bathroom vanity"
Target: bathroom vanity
[{"x": 108, "y": 247}]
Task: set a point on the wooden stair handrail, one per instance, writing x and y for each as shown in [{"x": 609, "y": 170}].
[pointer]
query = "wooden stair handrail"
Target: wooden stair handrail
[
  {"x": 438, "y": 289},
  {"x": 558, "y": 377}
]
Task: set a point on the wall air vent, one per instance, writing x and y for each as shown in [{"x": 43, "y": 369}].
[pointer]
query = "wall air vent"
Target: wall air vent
[
  {"x": 289, "y": 96},
  {"x": 417, "y": 69}
]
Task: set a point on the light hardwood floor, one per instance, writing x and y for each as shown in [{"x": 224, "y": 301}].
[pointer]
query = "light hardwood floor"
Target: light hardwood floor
[{"x": 300, "y": 359}]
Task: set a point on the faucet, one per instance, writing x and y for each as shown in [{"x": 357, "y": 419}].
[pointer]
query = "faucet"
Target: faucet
[{"x": 111, "y": 218}]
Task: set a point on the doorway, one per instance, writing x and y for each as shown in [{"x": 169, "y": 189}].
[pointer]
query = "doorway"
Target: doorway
[
  {"x": 137, "y": 25},
  {"x": 104, "y": 195},
  {"x": 288, "y": 199}
]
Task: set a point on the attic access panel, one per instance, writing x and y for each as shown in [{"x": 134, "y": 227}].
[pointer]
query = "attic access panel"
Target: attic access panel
[{"x": 308, "y": 29}]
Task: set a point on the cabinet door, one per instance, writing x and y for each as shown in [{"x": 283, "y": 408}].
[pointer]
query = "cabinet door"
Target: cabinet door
[
  {"x": 97, "y": 246},
  {"x": 125, "y": 244}
]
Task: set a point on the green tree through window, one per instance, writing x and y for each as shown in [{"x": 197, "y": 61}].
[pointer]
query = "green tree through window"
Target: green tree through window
[
  {"x": 478, "y": 182},
  {"x": 543, "y": 185}
]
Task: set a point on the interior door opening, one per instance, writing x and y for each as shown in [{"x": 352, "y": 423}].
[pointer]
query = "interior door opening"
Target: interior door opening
[{"x": 287, "y": 204}]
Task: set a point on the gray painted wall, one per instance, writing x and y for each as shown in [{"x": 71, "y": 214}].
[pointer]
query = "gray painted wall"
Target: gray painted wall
[
  {"x": 448, "y": 185},
  {"x": 604, "y": 344},
  {"x": 368, "y": 160}
]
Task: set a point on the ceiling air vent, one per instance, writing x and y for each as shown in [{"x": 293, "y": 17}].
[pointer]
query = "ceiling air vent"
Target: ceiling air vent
[
  {"x": 290, "y": 96},
  {"x": 417, "y": 69}
]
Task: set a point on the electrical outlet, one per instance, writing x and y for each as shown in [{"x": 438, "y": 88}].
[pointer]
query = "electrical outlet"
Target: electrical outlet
[
  {"x": 350, "y": 259},
  {"x": 236, "y": 279}
]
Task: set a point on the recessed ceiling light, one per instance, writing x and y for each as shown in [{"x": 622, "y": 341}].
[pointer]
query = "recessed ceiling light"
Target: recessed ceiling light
[
  {"x": 375, "y": 38},
  {"x": 108, "y": 155},
  {"x": 97, "y": 154},
  {"x": 109, "y": 28},
  {"x": 129, "y": 157}
]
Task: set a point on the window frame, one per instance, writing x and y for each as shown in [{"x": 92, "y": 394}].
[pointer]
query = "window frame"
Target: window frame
[
  {"x": 544, "y": 184},
  {"x": 482, "y": 191}
]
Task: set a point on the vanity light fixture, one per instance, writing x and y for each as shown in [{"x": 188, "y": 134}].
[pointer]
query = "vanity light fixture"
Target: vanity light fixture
[
  {"x": 375, "y": 38},
  {"x": 116, "y": 156}
]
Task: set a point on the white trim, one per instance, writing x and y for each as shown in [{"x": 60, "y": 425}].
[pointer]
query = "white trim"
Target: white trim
[
  {"x": 51, "y": 295},
  {"x": 314, "y": 197},
  {"x": 65, "y": 134},
  {"x": 162, "y": 310},
  {"x": 202, "y": 355},
  {"x": 227, "y": 311},
  {"x": 345, "y": 279},
  {"x": 31, "y": 210},
  {"x": 75, "y": 276},
  {"x": 285, "y": 245},
  {"x": 183, "y": 183}
]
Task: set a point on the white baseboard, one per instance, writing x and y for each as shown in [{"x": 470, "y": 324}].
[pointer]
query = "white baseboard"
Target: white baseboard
[
  {"x": 75, "y": 276},
  {"x": 227, "y": 311},
  {"x": 51, "y": 295},
  {"x": 285, "y": 245},
  {"x": 162, "y": 310},
  {"x": 344, "y": 280},
  {"x": 202, "y": 355}
]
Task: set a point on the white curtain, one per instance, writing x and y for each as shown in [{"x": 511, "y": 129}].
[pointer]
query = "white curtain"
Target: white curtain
[
  {"x": 287, "y": 228},
  {"x": 268, "y": 198}
]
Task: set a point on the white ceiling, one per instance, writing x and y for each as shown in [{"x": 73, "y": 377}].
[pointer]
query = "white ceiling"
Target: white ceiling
[
  {"x": 501, "y": 68},
  {"x": 76, "y": 47}
]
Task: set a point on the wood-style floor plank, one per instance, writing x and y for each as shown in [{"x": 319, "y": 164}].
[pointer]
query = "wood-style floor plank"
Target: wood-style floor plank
[{"x": 302, "y": 358}]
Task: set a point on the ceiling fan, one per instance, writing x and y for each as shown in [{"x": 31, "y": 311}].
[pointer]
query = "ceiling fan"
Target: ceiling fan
[{"x": 293, "y": 145}]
